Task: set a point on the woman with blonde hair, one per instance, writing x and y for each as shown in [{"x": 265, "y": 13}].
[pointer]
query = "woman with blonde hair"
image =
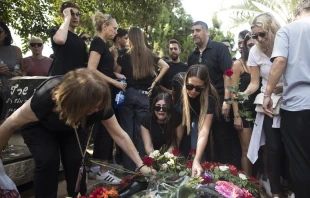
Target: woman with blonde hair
[
  {"x": 139, "y": 66},
  {"x": 200, "y": 103},
  {"x": 63, "y": 110},
  {"x": 264, "y": 28},
  {"x": 101, "y": 59}
]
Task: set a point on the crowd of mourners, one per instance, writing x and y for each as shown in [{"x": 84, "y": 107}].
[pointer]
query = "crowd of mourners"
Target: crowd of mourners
[{"x": 168, "y": 104}]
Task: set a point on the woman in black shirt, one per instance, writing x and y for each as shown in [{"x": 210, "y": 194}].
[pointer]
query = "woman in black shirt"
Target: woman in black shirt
[
  {"x": 138, "y": 65},
  {"x": 200, "y": 101},
  {"x": 64, "y": 109},
  {"x": 163, "y": 126}
]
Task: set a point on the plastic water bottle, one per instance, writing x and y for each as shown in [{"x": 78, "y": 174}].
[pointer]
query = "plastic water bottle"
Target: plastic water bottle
[
  {"x": 17, "y": 68},
  {"x": 120, "y": 97}
]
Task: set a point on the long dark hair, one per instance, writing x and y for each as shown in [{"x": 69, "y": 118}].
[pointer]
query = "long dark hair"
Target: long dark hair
[
  {"x": 245, "y": 50},
  {"x": 8, "y": 39},
  {"x": 201, "y": 72},
  {"x": 170, "y": 127}
]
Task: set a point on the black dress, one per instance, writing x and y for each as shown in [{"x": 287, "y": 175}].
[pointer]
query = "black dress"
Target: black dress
[{"x": 158, "y": 131}]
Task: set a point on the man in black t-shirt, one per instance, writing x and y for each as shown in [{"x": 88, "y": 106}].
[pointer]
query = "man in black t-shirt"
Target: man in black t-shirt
[
  {"x": 175, "y": 66},
  {"x": 216, "y": 57},
  {"x": 69, "y": 49}
]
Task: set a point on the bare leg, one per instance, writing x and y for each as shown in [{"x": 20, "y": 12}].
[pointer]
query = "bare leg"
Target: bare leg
[{"x": 245, "y": 137}]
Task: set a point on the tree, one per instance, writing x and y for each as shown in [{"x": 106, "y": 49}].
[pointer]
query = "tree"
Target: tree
[{"x": 244, "y": 12}]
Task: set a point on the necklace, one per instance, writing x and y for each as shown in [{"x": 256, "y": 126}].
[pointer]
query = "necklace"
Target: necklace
[{"x": 162, "y": 128}]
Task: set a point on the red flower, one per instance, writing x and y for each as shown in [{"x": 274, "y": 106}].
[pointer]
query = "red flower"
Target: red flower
[
  {"x": 228, "y": 72},
  {"x": 206, "y": 165},
  {"x": 148, "y": 161},
  {"x": 189, "y": 164},
  {"x": 176, "y": 152},
  {"x": 254, "y": 180},
  {"x": 233, "y": 170},
  {"x": 246, "y": 194},
  {"x": 192, "y": 152}
]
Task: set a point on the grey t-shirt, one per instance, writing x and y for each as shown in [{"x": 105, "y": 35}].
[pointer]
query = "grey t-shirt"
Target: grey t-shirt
[{"x": 293, "y": 42}]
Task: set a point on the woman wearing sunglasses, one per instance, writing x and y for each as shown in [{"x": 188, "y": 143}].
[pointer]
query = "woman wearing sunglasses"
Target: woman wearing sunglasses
[
  {"x": 242, "y": 74},
  {"x": 264, "y": 28},
  {"x": 163, "y": 126},
  {"x": 200, "y": 103}
]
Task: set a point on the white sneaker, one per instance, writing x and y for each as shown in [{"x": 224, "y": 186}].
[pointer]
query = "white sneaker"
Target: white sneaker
[
  {"x": 93, "y": 172},
  {"x": 108, "y": 178},
  {"x": 266, "y": 186}
]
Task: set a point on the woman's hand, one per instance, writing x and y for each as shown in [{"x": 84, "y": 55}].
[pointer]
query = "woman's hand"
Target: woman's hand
[
  {"x": 120, "y": 85},
  {"x": 147, "y": 170},
  {"x": 3, "y": 68},
  {"x": 119, "y": 76},
  {"x": 196, "y": 168},
  {"x": 238, "y": 124},
  {"x": 150, "y": 89},
  {"x": 114, "y": 51}
]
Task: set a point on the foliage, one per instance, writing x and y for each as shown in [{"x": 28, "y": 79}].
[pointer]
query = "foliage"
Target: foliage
[{"x": 242, "y": 13}]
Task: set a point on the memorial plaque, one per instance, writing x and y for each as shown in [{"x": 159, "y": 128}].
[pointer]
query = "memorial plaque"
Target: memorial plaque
[{"x": 19, "y": 90}]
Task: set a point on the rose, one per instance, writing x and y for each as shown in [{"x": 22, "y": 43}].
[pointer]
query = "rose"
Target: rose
[
  {"x": 168, "y": 155},
  {"x": 148, "y": 161},
  {"x": 192, "y": 152},
  {"x": 242, "y": 176},
  {"x": 176, "y": 152},
  {"x": 207, "y": 178},
  {"x": 228, "y": 72},
  {"x": 164, "y": 166},
  {"x": 233, "y": 170},
  {"x": 189, "y": 164},
  {"x": 223, "y": 168},
  {"x": 170, "y": 162},
  {"x": 154, "y": 154}
]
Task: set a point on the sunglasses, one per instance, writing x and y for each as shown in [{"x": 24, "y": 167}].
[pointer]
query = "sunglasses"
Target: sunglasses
[
  {"x": 259, "y": 34},
  {"x": 197, "y": 88},
  {"x": 250, "y": 45},
  {"x": 158, "y": 108},
  {"x": 77, "y": 14},
  {"x": 36, "y": 44},
  {"x": 108, "y": 18},
  {"x": 86, "y": 38}
]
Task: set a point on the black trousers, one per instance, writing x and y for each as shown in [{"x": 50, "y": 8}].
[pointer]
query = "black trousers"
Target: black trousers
[
  {"x": 295, "y": 128},
  {"x": 103, "y": 143},
  {"x": 276, "y": 156},
  {"x": 47, "y": 147}
]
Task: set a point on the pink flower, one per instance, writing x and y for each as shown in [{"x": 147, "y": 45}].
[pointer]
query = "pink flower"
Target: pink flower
[
  {"x": 228, "y": 189},
  {"x": 246, "y": 194}
]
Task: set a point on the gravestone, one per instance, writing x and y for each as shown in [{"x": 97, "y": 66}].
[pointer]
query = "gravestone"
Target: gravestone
[{"x": 19, "y": 90}]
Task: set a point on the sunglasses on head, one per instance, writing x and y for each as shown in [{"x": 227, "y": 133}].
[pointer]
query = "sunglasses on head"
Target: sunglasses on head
[
  {"x": 108, "y": 18},
  {"x": 259, "y": 34},
  {"x": 197, "y": 88},
  {"x": 36, "y": 44},
  {"x": 77, "y": 14},
  {"x": 158, "y": 108},
  {"x": 86, "y": 38}
]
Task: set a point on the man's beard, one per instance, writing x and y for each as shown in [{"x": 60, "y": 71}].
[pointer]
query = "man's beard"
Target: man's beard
[{"x": 174, "y": 57}]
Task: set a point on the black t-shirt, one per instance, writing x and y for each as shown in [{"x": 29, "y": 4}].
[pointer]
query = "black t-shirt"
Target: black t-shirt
[
  {"x": 69, "y": 56},
  {"x": 42, "y": 105},
  {"x": 195, "y": 105},
  {"x": 125, "y": 62},
  {"x": 106, "y": 62},
  {"x": 217, "y": 59},
  {"x": 174, "y": 68},
  {"x": 157, "y": 131}
]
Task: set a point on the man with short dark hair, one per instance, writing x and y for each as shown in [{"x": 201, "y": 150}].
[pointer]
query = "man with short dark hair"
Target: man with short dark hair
[
  {"x": 69, "y": 49},
  {"x": 175, "y": 66},
  {"x": 215, "y": 56},
  {"x": 37, "y": 64},
  {"x": 291, "y": 59}
]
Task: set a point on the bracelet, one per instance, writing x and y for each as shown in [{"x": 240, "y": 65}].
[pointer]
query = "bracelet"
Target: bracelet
[
  {"x": 226, "y": 99},
  {"x": 266, "y": 95},
  {"x": 140, "y": 167}
]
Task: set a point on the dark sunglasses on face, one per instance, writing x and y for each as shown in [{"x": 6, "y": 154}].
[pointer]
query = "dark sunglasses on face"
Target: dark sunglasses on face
[
  {"x": 197, "y": 88},
  {"x": 77, "y": 14},
  {"x": 36, "y": 44},
  {"x": 259, "y": 34},
  {"x": 158, "y": 108},
  {"x": 86, "y": 38}
]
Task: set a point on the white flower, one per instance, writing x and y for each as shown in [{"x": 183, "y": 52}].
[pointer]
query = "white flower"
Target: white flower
[
  {"x": 170, "y": 162},
  {"x": 154, "y": 154},
  {"x": 242, "y": 176},
  {"x": 168, "y": 155},
  {"x": 178, "y": 167},
  {"x": 164, "y": 166},
  {"x": 223, "y": 168}
]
